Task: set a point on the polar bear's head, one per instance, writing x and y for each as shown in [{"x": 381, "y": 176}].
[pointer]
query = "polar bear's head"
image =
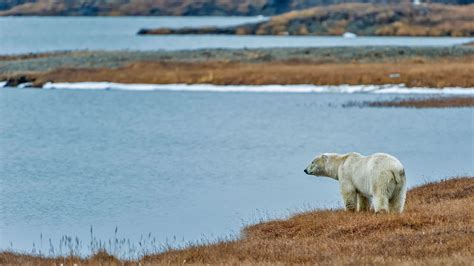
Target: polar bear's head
[{"x": 317, "y": 166}]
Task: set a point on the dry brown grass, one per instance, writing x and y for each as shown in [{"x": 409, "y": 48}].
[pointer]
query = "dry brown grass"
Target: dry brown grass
[
  {"x": 436, "y": 228},
  {"x": 413, "y": 73},
  {"x": 100, "y": 258},
  {"x": 427, "y": 103}
]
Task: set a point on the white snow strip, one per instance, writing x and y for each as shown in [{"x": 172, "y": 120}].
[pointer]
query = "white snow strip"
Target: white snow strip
[
  {"x": 390, "y": 88},
  {"x": 455, "y": 90},
  {"x": 3, "y": 83},
  {"x": 25, "y": 85}
]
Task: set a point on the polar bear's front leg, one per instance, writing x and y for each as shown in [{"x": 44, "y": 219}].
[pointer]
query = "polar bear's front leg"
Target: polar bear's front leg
[
  {"x": 363, "y": 203},
  {"x": 350, "y": 199}
]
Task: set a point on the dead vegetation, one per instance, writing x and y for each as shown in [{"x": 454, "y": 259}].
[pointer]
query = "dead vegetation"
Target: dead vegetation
[
  {"x": 411, "y": 72},
  {"x": 436, "y": 229}
]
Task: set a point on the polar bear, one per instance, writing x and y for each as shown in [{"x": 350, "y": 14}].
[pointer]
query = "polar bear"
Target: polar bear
[{"x": 378, "y": 178}]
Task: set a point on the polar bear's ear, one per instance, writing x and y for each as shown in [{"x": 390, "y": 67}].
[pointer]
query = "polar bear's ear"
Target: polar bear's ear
[{"x": 324, "y": 157}]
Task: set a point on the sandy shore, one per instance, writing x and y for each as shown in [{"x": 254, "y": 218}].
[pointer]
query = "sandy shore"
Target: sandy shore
[{"x": 435, "y": 229}]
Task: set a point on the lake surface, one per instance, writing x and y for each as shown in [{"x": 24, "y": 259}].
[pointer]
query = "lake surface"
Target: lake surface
[
  {"x": 41, "y": 34},
  {"x": 186, "y": 166}
]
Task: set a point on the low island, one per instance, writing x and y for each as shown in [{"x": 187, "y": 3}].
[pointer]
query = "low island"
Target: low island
[
  {"x": 432, "y": 67},
  {"x": 353, "y": 19}
]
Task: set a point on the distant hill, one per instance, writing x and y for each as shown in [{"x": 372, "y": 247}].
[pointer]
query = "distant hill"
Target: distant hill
[
  {"x": 174, "y": 7},
  {"x": 358, "y": 18}
]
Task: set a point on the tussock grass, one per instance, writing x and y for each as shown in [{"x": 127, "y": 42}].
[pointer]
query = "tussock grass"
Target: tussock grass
[{"x": 436, "y": 229}]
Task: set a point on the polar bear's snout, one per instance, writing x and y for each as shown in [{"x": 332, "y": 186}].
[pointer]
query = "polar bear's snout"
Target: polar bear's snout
[
  {"x": 316, "y": 167},
  {"x": 309, "y": 169},
  {"x": 312, "y": 170}
]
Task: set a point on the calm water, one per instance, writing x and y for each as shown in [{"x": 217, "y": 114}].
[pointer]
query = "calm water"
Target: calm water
[
  {"x": 195, "y": 165},
  {"x": 40, "y": 34}
]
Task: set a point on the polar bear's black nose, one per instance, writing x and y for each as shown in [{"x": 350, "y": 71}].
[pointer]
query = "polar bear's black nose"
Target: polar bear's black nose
[{"x": 305, "y": 171}]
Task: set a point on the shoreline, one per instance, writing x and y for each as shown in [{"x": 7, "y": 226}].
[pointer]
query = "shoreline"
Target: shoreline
[
  {"x": 425, "y": 97},
  {"x": 267, "y": 88},
  {"x": 435, "y": 228}
]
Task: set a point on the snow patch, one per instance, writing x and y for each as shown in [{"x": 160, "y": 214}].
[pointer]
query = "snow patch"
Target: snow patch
[
  {"x": 389, "y": 88},
  {"x": 25, "y": 85},
  {"x": 349, "y": 35}
]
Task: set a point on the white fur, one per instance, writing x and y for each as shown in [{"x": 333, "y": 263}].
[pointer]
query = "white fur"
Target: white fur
[{"x": 378, "y": 178}]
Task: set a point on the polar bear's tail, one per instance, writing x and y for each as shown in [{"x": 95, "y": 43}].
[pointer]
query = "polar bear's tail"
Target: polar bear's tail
[{"x": 399, "y": 176}]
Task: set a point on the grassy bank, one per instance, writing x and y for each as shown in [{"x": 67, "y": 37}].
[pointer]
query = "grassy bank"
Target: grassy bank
[
  {"x": 360, "y": 18},
  {"x": 436, "y": 229},
  {"x": 415, "y": 67}
]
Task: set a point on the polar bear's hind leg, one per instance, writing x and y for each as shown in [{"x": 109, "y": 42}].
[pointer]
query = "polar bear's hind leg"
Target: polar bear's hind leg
[
  {"x": 383, "y": 191},
  {"x": 397, "y": 202},
  {"x": 395, "y": 205}
]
